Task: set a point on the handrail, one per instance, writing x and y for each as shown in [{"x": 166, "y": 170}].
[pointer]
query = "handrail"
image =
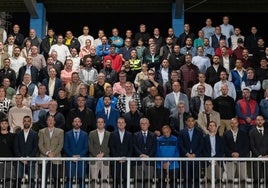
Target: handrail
[{"x": 134, "y": 159}]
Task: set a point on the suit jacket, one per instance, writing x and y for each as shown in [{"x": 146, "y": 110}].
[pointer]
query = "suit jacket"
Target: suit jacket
[
  {"x": 219, "y": 146},
  {"x": 133, "y": 121},
  {"x": 53, "y": 144},
  {"x": 118, "y": 149},
  {"x": 148, "y": 148},
  {"x": 111, "y": 122},
  {"x": 175, "y": 121},
  {"x": 71, "y": 147},
  {"x": 170, "y": 102},
  {"x": 258, "y": 142},
  {"x": 213, "y": 76},
  {"x": 202, "y": 120},
  {"x": 26, "y": 148},
  {"x": 241, "y": 145},
  {"x": 231, "y": 62},
  {"x": 34, "y": 75},
  {"x": 10, "y": 74},
  {"x": 195, "y": 145},
  {"x": 95, "y": 147},
  {"x": 58, "y": 85}
]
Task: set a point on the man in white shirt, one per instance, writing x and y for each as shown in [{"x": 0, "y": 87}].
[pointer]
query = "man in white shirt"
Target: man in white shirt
[
  {"x": 61, "y": 49},
  {"x": 17, "y": 61},
  {"x": 201, "y": 61},
  {"x": 208, "y": 88},
  {"x": 82, "y": 38}
]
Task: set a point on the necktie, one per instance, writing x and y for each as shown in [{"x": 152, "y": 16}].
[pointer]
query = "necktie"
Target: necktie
[
  {"x": 76, "y": 137},
  {"x": 144, "y": 137},
  {"x": 260, "y": 131},
  {"x": 208, "y": 119}
]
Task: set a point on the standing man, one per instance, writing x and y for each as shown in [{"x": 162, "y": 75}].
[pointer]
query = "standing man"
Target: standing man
[
  {"x": 50, "y": 145},
  {"x": 144, "y": 147},
  {"x": 121, "y": 145},
  {"x": 236, "y": 142},
  {"x": 26, "y": 145},
  {"x": 76, "y": 146},
  {"x": 259, "y": 147},
  {"x": 98, "y": 144},
  {"x": 167, "y": 146},
  {"x": 6, "y": 145},
  {"x": 191, "y": 145}
]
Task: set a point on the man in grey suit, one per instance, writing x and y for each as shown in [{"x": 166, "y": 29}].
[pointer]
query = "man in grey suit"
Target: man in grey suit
[
  {"x": 50, "y": 145},
  {"x": 98, "y": 147},
  {"x": 173, "y": 98}
]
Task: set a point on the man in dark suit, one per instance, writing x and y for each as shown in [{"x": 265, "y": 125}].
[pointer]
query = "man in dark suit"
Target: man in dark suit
[
  {"x": 259, "y": 147},
  {"x": 26, "y": 145},
  {"x": 236, "y": 142},
  {"x": 213, "y": 147},
  {"x": 53, "y": 84},
  {"x": 191, "y": 145},
  {"x": 76, "y": 146},
  {"x": 109, "y": 114},
  {"x": 28, "y": 69},
  {"x": 144, "y": 146},
  {"x": 121, "y": 145},
  {"x": 98, "y": 144}
]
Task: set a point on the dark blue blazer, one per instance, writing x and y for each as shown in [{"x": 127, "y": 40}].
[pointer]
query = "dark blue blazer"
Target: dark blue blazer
[
  {"x": 34, "y": 75},
  {"x": 141, "y": 148},
  {"x": 195, "y": 146},
  {"x": 219, "y": 147},
  {"x": 118, "y": 149},
  {"x": 58, "y": 85},
  {"x": 72, "y": 148},
  {"x": 111, "y": 122},
  {"x": 241, "y": 146},
  {"x": 28, "y": 148}
]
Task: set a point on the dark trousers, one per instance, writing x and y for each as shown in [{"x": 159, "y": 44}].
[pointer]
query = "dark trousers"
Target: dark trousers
[{"x": 191, "y": 174}]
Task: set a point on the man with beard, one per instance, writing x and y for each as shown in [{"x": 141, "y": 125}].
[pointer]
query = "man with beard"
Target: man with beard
[{"x": 26, "y": 145}]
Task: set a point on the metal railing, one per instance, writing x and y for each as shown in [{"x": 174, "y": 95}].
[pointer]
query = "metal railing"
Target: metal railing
[{"x": 134, "y": 172}]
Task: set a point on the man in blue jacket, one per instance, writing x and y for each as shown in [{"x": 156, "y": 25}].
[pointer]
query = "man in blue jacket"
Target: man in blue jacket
[
  {"x": 167, "y": 146},
  {"x": 76, "y": 146}
]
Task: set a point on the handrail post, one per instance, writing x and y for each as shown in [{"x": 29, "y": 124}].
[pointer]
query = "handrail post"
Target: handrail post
[
  {"x": 43, "y": 180},
  {"x": 128, "y": 172},
  {"x": 213, "y": 162}
]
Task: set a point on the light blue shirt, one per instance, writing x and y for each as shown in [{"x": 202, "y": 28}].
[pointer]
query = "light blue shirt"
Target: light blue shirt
[
  {"x": 227, "y": 30},
  {"x": 208, "y": 31},
  {"x": 209, "y": 50},
  {"x": 213, "y": 145},
  {"x": 38, "y": 100},
  {"x": 192, "y": 51},
  {"x": 202, "y": 62}
]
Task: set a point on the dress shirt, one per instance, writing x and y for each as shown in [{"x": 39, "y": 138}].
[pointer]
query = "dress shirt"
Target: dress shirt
[
  {"x": 51, "y": 131},
  {"x": 28, "y": 69},
  {"x": 164, "y": 73},
  {"x": 107, "y": 111},
  {"x": 121, "y": 134},
  {"x": 26, "y": 133},
  {"x": 176, "y": 97},
  {"x": 234, "y": 135},
  {"x": 76, "y": 134},
  {"x": 51, "y": 86},
  {"x": 213, "y": 145},
  {"x": 261, "y": 130},
  {"x": 101, "y": 136}
]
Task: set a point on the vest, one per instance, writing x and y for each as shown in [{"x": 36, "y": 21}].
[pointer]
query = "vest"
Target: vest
[
  {"x": 243, "y": 108},
  {"x": 215, "y": 41}
]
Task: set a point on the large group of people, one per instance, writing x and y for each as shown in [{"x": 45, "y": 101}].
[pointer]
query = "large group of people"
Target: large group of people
[{"x": 140, "y": 95}]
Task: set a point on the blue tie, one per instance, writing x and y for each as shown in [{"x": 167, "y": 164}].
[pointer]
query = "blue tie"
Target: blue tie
[
  {"x": 144, "y": 138},
  {"x": 76, "y": 137}
]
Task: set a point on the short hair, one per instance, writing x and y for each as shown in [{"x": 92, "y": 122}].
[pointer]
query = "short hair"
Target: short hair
[{"x": 107, "y": 96}]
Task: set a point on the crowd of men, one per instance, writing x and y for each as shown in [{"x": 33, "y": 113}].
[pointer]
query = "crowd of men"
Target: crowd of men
[{"x": 138, "y": 96}]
